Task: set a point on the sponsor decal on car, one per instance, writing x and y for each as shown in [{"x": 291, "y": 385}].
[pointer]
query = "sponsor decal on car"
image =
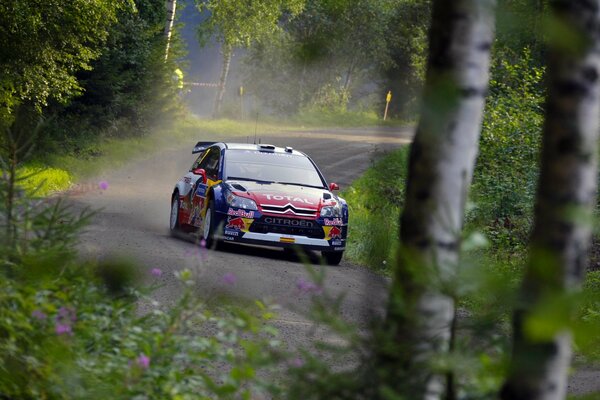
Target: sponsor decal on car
[
  {"x": 333, "y": 221},
  {"x": 236, "y": 223},
  {"x": 288, "y": 198},
  {"x": 336, "y": 242},
  {"x": 284, "y": 239},
  {"x": 240, "y": 213},
  {"x": 231, "y": 233},
  {"x": 289, "y": 222},
  {"x": 201, "y": 190},
  {"x": 335, "y": 233}
]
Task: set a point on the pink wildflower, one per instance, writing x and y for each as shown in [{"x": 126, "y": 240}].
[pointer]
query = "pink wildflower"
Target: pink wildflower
[
  {"x": 39, "y": 315},
  {"x": 156, "y": 272},
  {"x": 229, "y": 278},
  {"x": 307, "y": 286},
  {"x": 297, "y": 362},
  {"x": 103, "y": 185},
  {"x": 63, "y": 329},
  {"x": 143, "y": 361},
  {"x": 66, "y": 313}
]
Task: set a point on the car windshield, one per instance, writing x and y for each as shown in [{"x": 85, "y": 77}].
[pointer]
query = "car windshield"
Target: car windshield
[{"x": 271, "y": 167}]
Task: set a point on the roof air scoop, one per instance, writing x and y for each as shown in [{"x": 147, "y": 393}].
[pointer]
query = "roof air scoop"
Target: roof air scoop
[{"x": 269, "y": 147}]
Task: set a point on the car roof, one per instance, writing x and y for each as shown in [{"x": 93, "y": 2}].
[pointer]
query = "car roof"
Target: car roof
[{"x": 260, "y": 147}]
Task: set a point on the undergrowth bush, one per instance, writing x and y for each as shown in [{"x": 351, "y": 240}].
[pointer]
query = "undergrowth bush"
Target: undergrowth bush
[
  {"x": 77, "y": 329},
  {"x": 374, "y": 202}
]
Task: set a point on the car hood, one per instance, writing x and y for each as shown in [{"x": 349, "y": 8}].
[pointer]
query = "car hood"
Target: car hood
[{"x": 285, "y": 200}]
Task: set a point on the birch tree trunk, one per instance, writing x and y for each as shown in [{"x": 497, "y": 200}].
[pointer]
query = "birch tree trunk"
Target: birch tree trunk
[
  {"x": 565, "y": 200},
  {"x": 171, "y": 8},
  {"x": 227, "y": 52},
  {"x": 442, "y": 157}
]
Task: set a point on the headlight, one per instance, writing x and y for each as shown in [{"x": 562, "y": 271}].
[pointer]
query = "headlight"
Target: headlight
[
  {"x": 329, "y": 212},
  {"x": 241, "y": 202}
]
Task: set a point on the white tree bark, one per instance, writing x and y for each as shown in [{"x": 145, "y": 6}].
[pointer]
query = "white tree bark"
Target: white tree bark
[
  {"x": 565, "y": 200},
  {"x": 171, "y": 9},
  {"x": 227, "y": 53},
  {"x": 421, "y": 309}
]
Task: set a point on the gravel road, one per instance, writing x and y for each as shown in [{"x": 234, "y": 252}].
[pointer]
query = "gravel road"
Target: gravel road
[{"x": 133, "y": 223}]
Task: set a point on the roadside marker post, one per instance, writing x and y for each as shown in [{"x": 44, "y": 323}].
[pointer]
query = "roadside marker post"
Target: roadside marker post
[
  {"x": 241, "y": 102},
  {"x": 388, "y": 99}
]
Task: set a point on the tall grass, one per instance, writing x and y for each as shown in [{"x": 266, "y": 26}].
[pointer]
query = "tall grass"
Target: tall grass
[{"x": 375, "y": 201}]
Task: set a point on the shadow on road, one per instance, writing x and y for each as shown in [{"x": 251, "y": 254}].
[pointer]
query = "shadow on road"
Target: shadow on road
[{"x": 293, "y": 255}]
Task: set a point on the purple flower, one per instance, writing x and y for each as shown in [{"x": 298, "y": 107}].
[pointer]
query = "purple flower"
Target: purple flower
[
  {"x": 307, "y": 286},
  {"x": 156, "y": 272},
  {"x": 143, "y": 361},
  {"x": 39, "y": 315},
  {"x": 66, "y": 313},
  {"x": 229, "y": 278},
  {"x": 297, "y": 362},
  {"x": 63, "y": 329},
  {"x": 202, "y": 243},
  {"x": 103, "y": 185}
]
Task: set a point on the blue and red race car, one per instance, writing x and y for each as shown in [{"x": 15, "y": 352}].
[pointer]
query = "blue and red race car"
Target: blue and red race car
[{"x": 260, "y": 194}]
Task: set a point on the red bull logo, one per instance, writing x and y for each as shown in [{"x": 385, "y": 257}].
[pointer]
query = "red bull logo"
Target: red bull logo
[
  {"x": 335, "y": 233},
  {"x": 236, "y": 223}
]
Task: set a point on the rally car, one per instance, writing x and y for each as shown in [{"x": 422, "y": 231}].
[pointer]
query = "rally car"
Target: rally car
[{"x": 260, "y": 194}]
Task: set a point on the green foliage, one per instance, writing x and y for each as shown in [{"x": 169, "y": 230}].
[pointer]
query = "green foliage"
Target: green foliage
[
  {"x": 73, "y": 329},
  {"x": 237, "y": 24},
  {"x": 127, "y": 91},
  {"x": 408, "y": 50},
  {"x": 312, "y": 116},
  {"x": 375, "y": 201},
  {"x": 589, "y": 313},
  {"x": 42, "y": 180},
  {"x": 66, "y": 336},
  {"x": 511, "y": 135},
  {"x": 323, "y": 56},
  {"x": 43, "y": 45}
]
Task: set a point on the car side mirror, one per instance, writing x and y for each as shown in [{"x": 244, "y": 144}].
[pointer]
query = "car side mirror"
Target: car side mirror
[
  {"x": 201, "y": 172},
  {"x": 334, "y": 186}
]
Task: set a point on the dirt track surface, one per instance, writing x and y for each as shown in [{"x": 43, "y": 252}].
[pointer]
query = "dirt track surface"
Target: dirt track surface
[{"x": 133, "y": 223}]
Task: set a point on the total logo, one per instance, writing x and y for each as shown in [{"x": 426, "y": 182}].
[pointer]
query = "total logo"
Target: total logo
[
  {"x": 236, "y": 223},
  {"x": 335, "y": 233},
  {"x": 288, "y": 198}
]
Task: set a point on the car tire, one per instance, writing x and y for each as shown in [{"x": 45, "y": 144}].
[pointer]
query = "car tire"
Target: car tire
[
  {"x": 333, "y": 257},
  {"x": 174, "y": 225},
  {"x": 208, "y": 230}
]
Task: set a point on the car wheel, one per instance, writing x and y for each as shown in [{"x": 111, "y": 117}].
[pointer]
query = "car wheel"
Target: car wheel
[
  {"x": 332, "y": 257},
  {"x": 174, "y": 226},
  {"x": 208, "y": 227}
]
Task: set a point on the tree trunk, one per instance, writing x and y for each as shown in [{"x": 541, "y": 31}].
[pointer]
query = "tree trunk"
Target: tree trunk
[
  {"x": 227, "y": 52},
  {"x": 421, "y": 308},
  {"x": 171, "y": 8},
  {"x": 565, "y": 201},
  {"x": 349, "y": 73}
]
